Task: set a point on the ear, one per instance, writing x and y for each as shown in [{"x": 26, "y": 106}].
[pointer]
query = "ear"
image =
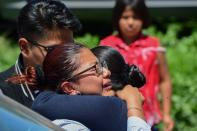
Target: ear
[
  {"x": 23, "y": 44},
  {"x": 68, "y": 88}
]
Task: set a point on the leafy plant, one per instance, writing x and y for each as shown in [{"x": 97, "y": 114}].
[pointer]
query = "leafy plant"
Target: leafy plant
[
  {"x": 8, "y": 53},
  {"x": 88, "y": 40}
]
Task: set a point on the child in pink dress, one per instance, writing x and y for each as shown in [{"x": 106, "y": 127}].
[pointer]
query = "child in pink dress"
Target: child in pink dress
[{"x": 130, "y": 17}]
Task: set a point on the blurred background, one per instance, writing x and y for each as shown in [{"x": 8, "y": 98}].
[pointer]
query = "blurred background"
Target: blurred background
[{"x": 173, "y": 21}]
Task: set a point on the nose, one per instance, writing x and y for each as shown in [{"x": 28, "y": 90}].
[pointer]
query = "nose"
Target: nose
[
  {"x": 106, "y": 73},
  {"x": 130, "y": 20}
]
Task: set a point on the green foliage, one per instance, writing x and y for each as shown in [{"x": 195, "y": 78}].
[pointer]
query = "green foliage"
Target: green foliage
[
  {"x": 8, "y": 53},
  {"x": 88, "y": 40}
]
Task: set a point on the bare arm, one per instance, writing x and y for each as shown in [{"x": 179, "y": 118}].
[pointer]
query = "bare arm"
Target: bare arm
[{"x": 166, "y": 91}]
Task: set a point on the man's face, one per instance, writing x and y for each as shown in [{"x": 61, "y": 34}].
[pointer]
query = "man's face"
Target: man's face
[{"x": 39, "y": 49}]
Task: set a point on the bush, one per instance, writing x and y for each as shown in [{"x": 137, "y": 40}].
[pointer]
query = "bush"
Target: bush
[
  {"x": 88, "y": 40},
  {"x": 9, "y": 53}
]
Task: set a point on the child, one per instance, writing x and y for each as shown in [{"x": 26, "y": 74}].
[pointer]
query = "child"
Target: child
[{"x": 129, "y": 18}]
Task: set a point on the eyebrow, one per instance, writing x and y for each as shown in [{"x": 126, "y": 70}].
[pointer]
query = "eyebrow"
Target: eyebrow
[
  {"x": 90, "y": 64},
  {"x": 47, "y": 48},
  {"x": 86, "y": 69},
  {"x": 77, "y": 74}
]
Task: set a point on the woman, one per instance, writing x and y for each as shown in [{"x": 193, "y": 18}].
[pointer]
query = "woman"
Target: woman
[{"x": 73, "y": 69}]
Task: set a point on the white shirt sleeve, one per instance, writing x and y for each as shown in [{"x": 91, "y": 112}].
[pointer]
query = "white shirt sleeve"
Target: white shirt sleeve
[
  {"x": 70, "y": 125},
  {"x": 137, "y": 124}
]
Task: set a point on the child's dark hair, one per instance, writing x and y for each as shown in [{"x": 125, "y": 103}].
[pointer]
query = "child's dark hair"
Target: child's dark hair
[
  {"x": 138, "y": 6},
  {"x": 121, "y": 73}
]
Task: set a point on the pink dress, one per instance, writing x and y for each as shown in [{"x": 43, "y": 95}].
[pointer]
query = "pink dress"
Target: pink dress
[{"x": 143, "y": 53}]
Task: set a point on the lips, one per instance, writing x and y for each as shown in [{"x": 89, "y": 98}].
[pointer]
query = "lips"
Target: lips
[
  {"x": 107, "y": 85},
  {"x": 129, "y": 29}
]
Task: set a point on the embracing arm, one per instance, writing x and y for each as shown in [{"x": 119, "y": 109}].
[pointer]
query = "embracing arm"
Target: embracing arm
[{"x": 96, "y": 112}]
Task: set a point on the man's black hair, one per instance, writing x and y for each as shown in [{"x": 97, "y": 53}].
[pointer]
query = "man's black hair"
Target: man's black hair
[{"x": 40, "y": 16}]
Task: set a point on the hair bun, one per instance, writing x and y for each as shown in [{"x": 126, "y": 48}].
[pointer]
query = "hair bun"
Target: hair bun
[{"x": 136, "y": 77}]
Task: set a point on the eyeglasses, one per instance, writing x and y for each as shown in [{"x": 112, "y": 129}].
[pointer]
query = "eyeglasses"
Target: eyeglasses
[
  {"x": 46, "y": 48},
  {"x": 98, "y": 66}
]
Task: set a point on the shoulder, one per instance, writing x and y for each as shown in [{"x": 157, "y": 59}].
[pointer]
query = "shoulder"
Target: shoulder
[
  {"x": 7, "y": 73},
  {"x": 110, "y": 40},
  {"x": 53, "y": 98},
  {"x": 14, "y": 91},
  {"x": 6, "y": 87},
  {"x": 151, "y": 40},
  {"x": 47, "y": 100},
  {"x": 96, "y": 112}
]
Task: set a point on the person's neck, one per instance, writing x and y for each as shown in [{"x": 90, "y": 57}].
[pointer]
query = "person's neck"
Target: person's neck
[
  {"x": 130, "y": 40},
  {"x": 25, "y": 62},
  {"x": 20, "y": 63}
]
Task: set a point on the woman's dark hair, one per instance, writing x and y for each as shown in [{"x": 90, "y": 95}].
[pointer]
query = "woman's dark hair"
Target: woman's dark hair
[
  {"x": 121, "y": 73},
  {"x": 59, "y": 65},
  {"x": 40, "y": 16},
  {"x": 138, "y": 6}
]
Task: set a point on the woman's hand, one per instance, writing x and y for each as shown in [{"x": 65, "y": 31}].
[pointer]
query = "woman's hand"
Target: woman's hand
[
  {"x": 129, "y": 92},
  {"x": 134, "y": 100}
]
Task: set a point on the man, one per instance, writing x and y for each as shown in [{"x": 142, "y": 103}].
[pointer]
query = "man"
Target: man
[{"x": 41, "y": 26}]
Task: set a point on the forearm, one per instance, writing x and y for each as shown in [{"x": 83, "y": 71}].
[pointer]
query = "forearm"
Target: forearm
[
  {"x": 165, "y": 83},
  {"x": 134, "y": 106},
  {"x": 166, "y": 91}
]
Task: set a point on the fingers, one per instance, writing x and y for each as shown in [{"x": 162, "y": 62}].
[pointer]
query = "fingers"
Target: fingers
[
  {"x": 168, "y": 123},
  {"x": 170, "y": 126}
]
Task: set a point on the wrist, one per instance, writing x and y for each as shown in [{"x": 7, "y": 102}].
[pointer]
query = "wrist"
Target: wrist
[
  {"x": 134, "y": 101},
  {"x": 135, "y": 111},
  {"x": 166, "y": 115},
  {"x": 135, "y": 108}
]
